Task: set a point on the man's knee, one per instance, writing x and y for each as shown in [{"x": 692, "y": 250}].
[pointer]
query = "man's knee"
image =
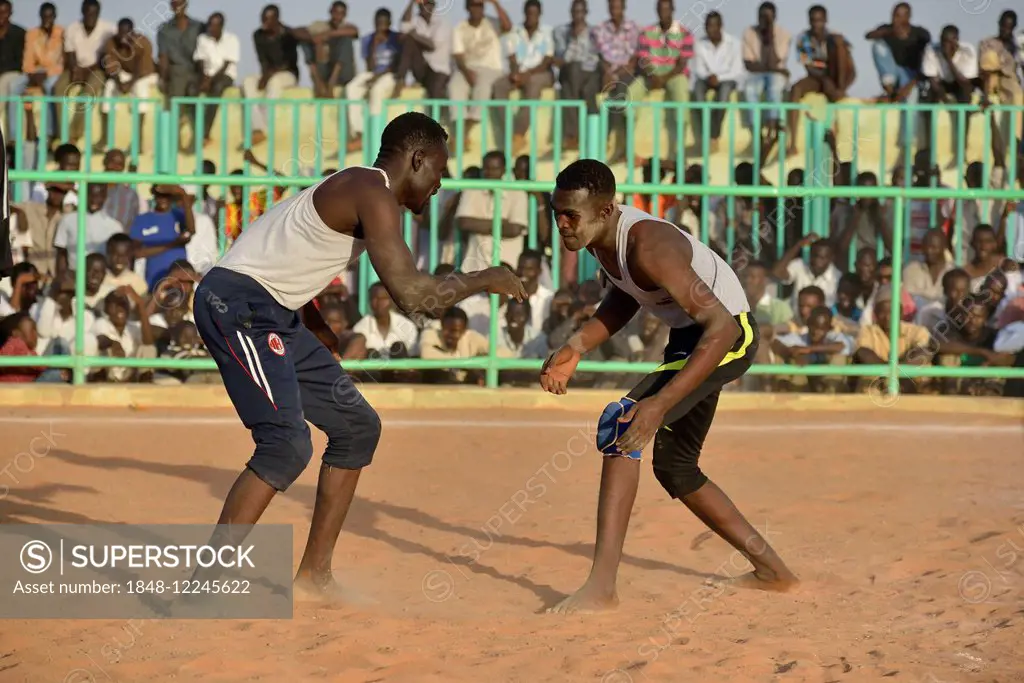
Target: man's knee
[
  {"x": 281, "y": 455},
  {"x": 675, "y": 466},
  {"x": 351, "y": 442}
]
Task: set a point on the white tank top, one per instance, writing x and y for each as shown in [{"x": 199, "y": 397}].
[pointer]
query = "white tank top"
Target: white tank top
[
  {"x": 292, "y": 252},
  {"x": 710, "y": 268}
]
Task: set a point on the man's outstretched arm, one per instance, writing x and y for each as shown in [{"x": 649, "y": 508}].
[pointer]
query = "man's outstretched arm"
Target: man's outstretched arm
[{"x": 661, "y": 256}]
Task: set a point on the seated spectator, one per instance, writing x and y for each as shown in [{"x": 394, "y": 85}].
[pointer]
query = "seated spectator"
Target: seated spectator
[
  {"x": 350, "y": 344},
  {"x": 965, "y": 340},
  {"x": 426, "y": 49},
  {"x": 99, "y": 227},
  {"x": 170, "y": 306},
  {"x": 477, "y": 50},
  {"x": 873, "y": 348},
  {"x": 521, "y": 170},
  {"x": 718, "y": 69},
  {"x": 475, "y": 215},
  {"x": 259, "y": 202},
  {"x": 55, "y": 318},
  {"x": 96, "y": 285},
  {"x": 217, "y": 55},
  {"x": 122, "y": 199},
  {"x": 989, "y": 255},
  {"x": 951, "y": 70},
  {"x": 819, "y": 270},
  {"x": 770, "y": 312},
  {"x": 118, "y": 337},
  {"x": 128, "y": 61},
  {"x": 160, "y": 235},
  {"x": 453, "y": 340},
  {"x": 973, "y": 212},
  {"x": 845, "y": 312},
  {"x": 68, "y": 158},
  {"x": 202, "y": 251},
  {"x": 381, "y": 51},
  {"x": 183, "y": 343},
  {"x": 37, "y": 226},
  {"x": 663, "y": 55},
  {"x": 531, "y": 52},
  {"x": 517, "y": 336},
  {"x": 83, "y": 74},
  {"x": 884, "y": 278},
  {"x": 923, "y": 279},
  {"x": 529, "y": 269},
  {"x": 865, "y": 268},
  {"x": 765, "y": 55},
  {"x": 898, "y": 50},
  {"x": 616, "y": 348},
  {"x": 861, "y": 225},
  {"x": 388, "y": 334},
  {"x": 579, "y": 76},
  {"x": 176, "y": 41},
  {"x": 19, "y": 337},
  {"x": 999, "y": 64},
  {"x": 560, "y": 304},
  {"x": 24, "y": 290},
  {"x": 828, "y": 59},
  {"x": 616, "y": 41},
  {"x": 807, "y": 299},
  {"x": 821, "y": 344},
  {"x": 330, "y": 49},
  {"x": 277, "y": 51},
  {"x": 42, "y": 67},
  {"x": 956, "y": 286}
]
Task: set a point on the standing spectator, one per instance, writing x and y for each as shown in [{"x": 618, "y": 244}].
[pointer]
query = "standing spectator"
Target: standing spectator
[
  {"x": 277, "y": 51},
  {"x": 1000, "y": 60},
  {"x": 951, "y": 68},
  {"x": 578, "y": 62},
  {"x": 122, "y": 199},
  {"x": 68, "y": 158},
  {"x": 717, "y": 68},
  {"x": 923, "y": 279},
  {"x": 41, "y": 221},
  {"x": 160, "y": 235},
  {"x": 388, "y": 334},
  {"x": 129, "y": 63},
  {"x": 98, "y": 229},
  {"x": 426, "y": 50},
  {"x": 217, "y": 55},
  {"x": 476, "y": 48},
  {"x": 474, "y": 217},
  {"x": 330, "y": 51},
  {"x": 819, "y": 270},
  {"x": 663, "y": 57},
  {"x": 765, "y": 55},
  {"x": 43, "y": 63},
  {"x": 176, "y": 44},
  {"x": 898, "y": 50},
  {"x": 12, "y": 55},
  {"x": 83, "y": 48},
  {"x": 531, "y": 51},
  {"x": 381, "y": 51},
  {"x": 829, "y": 63},
  {"x": 617, "y": 41}
]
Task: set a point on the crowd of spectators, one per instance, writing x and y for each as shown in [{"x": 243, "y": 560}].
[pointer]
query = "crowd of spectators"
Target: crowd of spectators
[{"x": 144, "y": 255}]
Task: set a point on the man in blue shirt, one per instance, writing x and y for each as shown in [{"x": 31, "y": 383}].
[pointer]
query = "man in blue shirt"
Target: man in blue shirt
[
  {"x": 160, "y": 235},
  {"x": 380, "y": 52}
]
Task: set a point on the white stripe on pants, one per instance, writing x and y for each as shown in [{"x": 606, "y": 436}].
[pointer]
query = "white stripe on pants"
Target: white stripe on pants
[
  {"x": 255, "y": 366},
  {"x": 275, "y": 86},
  {"x": 356, "y": 90}
]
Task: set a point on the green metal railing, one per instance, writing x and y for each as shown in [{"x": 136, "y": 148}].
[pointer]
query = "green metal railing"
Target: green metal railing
[{"x": 816, "y": 191}]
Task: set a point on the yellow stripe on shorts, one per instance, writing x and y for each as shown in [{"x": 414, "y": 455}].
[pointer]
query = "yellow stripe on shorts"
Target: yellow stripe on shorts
[{"x": 748, "y": 339}]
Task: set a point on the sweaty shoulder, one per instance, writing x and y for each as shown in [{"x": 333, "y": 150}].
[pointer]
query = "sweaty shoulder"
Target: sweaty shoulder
[
  {"x": 341, "y": 199},
  {"x": 651, "y": 246}
]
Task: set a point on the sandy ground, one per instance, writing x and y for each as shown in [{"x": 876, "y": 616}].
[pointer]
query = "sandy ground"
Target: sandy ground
[{"x": 907, "y": 530}]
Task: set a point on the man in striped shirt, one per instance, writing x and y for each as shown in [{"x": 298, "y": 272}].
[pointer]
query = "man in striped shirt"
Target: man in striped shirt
[{"x": 616, "y": 43}]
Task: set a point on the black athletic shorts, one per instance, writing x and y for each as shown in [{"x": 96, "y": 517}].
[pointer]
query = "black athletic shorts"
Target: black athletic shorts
[{"x": 678, "y": 443}]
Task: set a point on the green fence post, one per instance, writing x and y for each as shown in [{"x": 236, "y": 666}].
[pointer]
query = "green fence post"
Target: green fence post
[
  {"x": 896, "y": 305},
  {"x": 492, "y": 346}
]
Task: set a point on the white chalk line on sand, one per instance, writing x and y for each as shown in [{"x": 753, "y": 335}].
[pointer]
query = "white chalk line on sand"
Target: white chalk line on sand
[{"x": 922, "y": 428}]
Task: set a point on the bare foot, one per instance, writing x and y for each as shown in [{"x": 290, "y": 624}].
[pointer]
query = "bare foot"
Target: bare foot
[
  {"x": 754, "y": 582},
  {"x": 324, "y": 589},
  {"x": 587, "y": 600}
]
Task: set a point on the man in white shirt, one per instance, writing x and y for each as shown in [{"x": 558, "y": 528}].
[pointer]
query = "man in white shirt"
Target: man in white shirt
[
  {"x": 202, "y": 251},
  {"x": 475, "y": 218},
  {"x": 99, "y": 227},
  {"x": 426, "y": 50},
  {"x": 517, "y": 336},
  {"x": 529, "y": 268},
  {"x": 718, "y": 68},
  {"x": 819, "y": 271},
  {"x": 83, "y": 73},
  {"x": 476, "y": 47},
  {"x": 68, "y": 158},
  {"x": 951, "y": 68},
  {"x": 218, "y": 53},
  {"x": 531, "y": 53},
  {"x": 388, "y": 334}
]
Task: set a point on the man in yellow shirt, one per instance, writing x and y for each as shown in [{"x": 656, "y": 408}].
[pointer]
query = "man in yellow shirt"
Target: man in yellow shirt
[
  {"x": 453, "y": 340},
  {"x": 914, "y": 344}
]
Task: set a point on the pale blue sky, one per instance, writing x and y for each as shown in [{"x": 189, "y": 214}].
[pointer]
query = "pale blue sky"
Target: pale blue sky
[{"x": 977, "y": 19}]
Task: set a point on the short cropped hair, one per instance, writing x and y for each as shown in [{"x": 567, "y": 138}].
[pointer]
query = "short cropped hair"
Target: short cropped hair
[
  {"x": 455, "y": 313},
  {"x": 410, "y": 131},
  {"x": 590, "y": 175}
]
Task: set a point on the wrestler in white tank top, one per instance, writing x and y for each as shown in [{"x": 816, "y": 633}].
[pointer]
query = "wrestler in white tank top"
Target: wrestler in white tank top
[
  {"x": 292, "y": 252},
  {"x": 710, "y": 268}
]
